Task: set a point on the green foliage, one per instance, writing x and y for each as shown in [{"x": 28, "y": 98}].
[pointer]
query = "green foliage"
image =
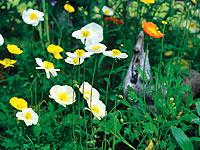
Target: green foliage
[
  {"x": 182, "y": 139},
  {"x": 171, "y": 123}
]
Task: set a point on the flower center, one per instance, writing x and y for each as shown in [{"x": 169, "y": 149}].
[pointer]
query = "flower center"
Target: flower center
[
  {"x": 28, "y": 116},
  {"x": 76, "y": 60},
  {"x": 62, "y": 96},
  {"x": 7, "y": 61},
  {"x": 96, "y": 47},
  {"x": 193, "y": 25},
  {"x": 116, "y": 52},
  {"x": 80, "y": 52},
  {"x": 85, "y": 33},
  {"x": 48, "y": 65},
  {"x": 87, "y": 94},
  {"x": 95, "y": 109},
  {"x": 107, "y": 12},
  {"x": 33, "y": 16}
]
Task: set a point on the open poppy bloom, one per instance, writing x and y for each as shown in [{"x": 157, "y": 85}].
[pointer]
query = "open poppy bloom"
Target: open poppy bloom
[
  {"x": 28, "y": 116},
  {"x": 47, "y": 66},
  {"x": 7, "y": 62},
  {"x": 18, "y": 103},
  {"x": 151, "y": 29},
  {"x": 63, "y": 94},
  {"x": 98, "y": 109},
  {"x": 55, "y": 50},
  {"x": 32, "y": 17}
]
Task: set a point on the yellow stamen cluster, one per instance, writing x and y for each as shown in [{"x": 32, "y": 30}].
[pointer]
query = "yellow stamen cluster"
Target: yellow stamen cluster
[
  {"x": 85, "y": 33},
  {"x": 48, "y": 65},
  {"x": 96, "y": 47},
  {"x": 28, "y": 116},
  {"x": 62, "y": 96},
  {"x": 116, "y": 52},
  {"x": 95, "y": 109},
  {"x": 33, "y": 16},
  {"x": 80, "y": 52}
]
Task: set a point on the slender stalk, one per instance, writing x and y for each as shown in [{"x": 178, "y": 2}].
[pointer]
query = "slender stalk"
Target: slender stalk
[
  {"x": 106, "y": 101},
  {"x": 46, "y": 20},
  {"x": 107, "y": 86},
  {"x": 79, "y": 102},
  {"x": 41, "y": 35},
  {"x": 86, "y": 129},
  {"x": 93, "y": 76},
  {"x": 162, "y": 45},
  {"x": 115, "y": 129}
]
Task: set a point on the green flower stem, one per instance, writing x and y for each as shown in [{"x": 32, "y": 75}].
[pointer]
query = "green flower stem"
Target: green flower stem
[
  {"x": 162, "y": 45},
  {"x": 86, "y": 129},
  {"x": 113, "y": 144},
  {"x": 93, "y": 76},
  {"x": 79, "y": 102},
  {"x": 106, "y": 101},
  {"x": 46, "y": 20},
  {"x": 41, "y": 35}
]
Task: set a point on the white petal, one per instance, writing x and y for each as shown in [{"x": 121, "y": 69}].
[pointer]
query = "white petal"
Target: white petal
[
  {"x": 123, "y": 55},
  {"x": 102, "y": 48},
  {"x": 48, "y": 74},
  {"x": 108, "y": 53},
  {"x": 39, "y": 61},
  {"x": 54, "y": 73},
  {"x": 1, "y": 40},
  {"x": 71, "y": 54},
  {"x": 76, "y": 34},
  {"x": 20, "y": 115}
]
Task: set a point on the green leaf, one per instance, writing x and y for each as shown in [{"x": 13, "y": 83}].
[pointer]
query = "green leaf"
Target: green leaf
[
  {"x": 182, "y": 139},
  {"x": 197, "y": 104},
  {"x": 8, "y": 143},
  {"x": 37, "y": 130}
]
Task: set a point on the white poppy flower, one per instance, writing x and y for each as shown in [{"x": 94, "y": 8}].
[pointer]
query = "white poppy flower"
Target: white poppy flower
[
  {"x": 115, "y": 53},
  {"x": 32, "y": 17},
  {"x": 79, "y": 53},
  {"x": 1, "y": 40},
  {"x": 96, "y": 48},
  {"x": 89, "y": 93},
  {"x": 98, "y": 109},
  {"x": 47, "y": 66},
  {"x": 28, "y": 115},
  {"x": 64, "y": 95},
  {"x": 107, "y": 11},
  {"x": 89, "y": 34},
  {"x": 74, "y": 61}
]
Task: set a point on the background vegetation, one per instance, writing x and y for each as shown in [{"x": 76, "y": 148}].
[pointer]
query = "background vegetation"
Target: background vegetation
[{"x": 175, "y": 124}]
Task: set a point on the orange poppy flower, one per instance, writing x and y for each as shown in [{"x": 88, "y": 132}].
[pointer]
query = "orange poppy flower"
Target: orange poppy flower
[
  {"x": 151, "y": 29},
  {"x": 114, "y": 20}
]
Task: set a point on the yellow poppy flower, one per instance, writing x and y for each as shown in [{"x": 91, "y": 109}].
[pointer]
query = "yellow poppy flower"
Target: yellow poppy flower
[
  {"x": 13, "y": 49},
  {"x": 18, "y": 103},
  {"x": 55, "y": 50},
  {"x": 69, "y": 8},
  {"x": 148, "y": 1},
  {"x": 8, "y": 62}
]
